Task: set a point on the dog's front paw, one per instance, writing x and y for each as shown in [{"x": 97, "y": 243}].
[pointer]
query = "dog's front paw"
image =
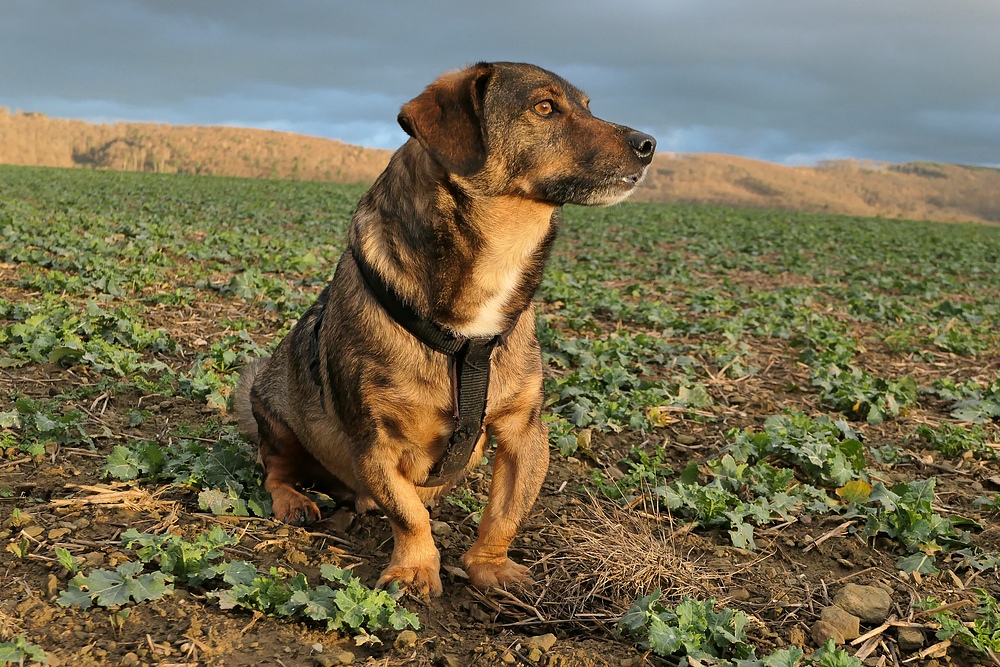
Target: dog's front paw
[
  {"x": 419, "y": 580},
  {"x": 290, "y": 506},
  {"x": 498, "y": 572}
]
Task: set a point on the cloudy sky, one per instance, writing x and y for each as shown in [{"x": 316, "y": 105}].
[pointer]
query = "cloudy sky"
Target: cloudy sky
[{"x": 792, "y": 81}]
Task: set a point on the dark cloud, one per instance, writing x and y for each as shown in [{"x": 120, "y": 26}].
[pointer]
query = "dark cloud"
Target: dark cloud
[{"x": 781, "y": 80}]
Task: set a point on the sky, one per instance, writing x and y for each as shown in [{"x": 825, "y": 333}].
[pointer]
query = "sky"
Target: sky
[{"x": 788, "y": 81}]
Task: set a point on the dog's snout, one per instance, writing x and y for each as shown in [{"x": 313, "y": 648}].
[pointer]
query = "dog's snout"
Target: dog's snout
[{"x": 643, "y": 145}]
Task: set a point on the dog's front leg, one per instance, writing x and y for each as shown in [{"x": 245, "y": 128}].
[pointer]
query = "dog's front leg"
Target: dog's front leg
[
  {"x": 415, "y": 564},
  {"x": 519, "y": 467}
]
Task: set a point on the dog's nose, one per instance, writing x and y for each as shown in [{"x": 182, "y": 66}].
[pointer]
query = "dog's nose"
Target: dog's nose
[{"x": 643, "y": 145}]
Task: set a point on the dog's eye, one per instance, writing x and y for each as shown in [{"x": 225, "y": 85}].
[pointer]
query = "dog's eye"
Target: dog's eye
[{"x": 544, "y": 108}]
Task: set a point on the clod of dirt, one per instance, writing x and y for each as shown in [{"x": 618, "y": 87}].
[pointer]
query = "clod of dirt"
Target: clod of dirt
[
  {"x": 909, "y": 639},
  {"x": 541, "y": 642},
  {"x": 869, "y": 603},
  {"x": 406, "y": 639},
  {"x": 440, "y": 528},
  {"x": 848, "y": 624},
  {"x": 823, "y": 631},
  {"x": 341, "y": 658}
]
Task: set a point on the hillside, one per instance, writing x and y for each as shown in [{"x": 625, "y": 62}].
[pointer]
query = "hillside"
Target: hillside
[{"x": 923, "y": 191}]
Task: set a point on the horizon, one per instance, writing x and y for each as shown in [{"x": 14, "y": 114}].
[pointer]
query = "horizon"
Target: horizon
[{"x": 776, "y": 81}]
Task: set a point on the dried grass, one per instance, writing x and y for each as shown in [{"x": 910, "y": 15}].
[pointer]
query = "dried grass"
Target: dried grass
[{"x": 608, "y": 555}]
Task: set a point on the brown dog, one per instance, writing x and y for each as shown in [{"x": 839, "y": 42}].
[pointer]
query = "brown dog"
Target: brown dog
[{"x": 455, "y": 232}]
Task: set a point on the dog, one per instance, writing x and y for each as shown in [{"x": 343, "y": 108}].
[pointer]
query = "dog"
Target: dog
[{"x": 451, "y": 239}]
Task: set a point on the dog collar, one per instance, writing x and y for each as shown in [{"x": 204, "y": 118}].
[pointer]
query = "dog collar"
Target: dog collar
[{"x": 468, "y": 368}]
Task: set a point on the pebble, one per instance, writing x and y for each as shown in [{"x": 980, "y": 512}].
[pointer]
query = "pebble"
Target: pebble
[
  {"x": 33, "y": 530},
  {"x": 869, "y": 603},
  {"x": 52, "y": 586},
  {"x": 440, "y": 528},
  {"x": 823, "y": 631},
  {"x": 740, "y": 594},
  {"x": 534, "y": 655},
  {"x": 541, "y": 642},
  {"x": 909, "y": 639},
  {"x": 848, "y": 624},
  {"x": 508, "y": 658},
  {"x": 130, "y": 659},
  {"x": 317, "y": 648},
  {"x": 406, "y": 638},
  {"x": 686, "y": 439}
]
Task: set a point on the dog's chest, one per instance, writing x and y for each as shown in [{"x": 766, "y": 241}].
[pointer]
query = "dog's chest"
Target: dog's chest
[{"x": 497, "y": 278}]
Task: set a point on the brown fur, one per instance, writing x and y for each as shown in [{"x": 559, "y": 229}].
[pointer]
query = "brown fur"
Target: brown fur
[{"x": 459, "y": 224}]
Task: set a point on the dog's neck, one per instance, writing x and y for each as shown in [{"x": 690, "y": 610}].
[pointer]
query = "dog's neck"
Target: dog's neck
[{"x": 469, "y": 263}]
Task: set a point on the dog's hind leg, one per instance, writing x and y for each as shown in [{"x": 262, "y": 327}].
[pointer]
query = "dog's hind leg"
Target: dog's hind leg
[
  {"x": 519, "y": 467},
  {"x": 285, "y": 463}
]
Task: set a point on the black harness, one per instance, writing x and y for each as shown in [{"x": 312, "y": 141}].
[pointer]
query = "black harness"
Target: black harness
[{"x": 468, "y": 368}]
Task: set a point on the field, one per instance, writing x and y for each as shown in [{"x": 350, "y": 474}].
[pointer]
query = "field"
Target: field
[{"x": 748, "y": 409}]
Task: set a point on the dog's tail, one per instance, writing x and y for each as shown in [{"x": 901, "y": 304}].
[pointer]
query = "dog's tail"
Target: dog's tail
[{"x": 241, "y": 399}]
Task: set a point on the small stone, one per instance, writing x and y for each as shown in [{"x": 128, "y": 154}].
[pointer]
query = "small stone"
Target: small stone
[
  {"x": 130, "y": 659},
  {"x": 847, "y": 623},
  {"x": 909, "y": 639},
  {"x": 406, "y": 639},
  {"x": 541, "y": 642},
  {"x": 317, "y": 648},
  {"x": 33, "y": 530},
  {"x": 797, "y": 637},
  {"x": 869, "y": 603},
  {"x": 440, "y": 528},
  {"x": 685, "y": 439},
  {"x": 823, "y": 631},
  {"x": 740, "y": 594},
  {"x": 340, "y": 521},
  {"x": 52, "y": 585},
  {"x": 534, "y": 655},
  {"x": 56, "y": 533},
  {"x": 508, "y": 658}
]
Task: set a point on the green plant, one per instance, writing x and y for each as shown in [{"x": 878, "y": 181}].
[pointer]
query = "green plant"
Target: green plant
[
  {"x": 110, "y": 588},
  {"x": 351, "y": 606},
  {"x": 224, "y": 471},
  {"x": 983, "y": 634},
  {"x": 953, "y": 441},
  {"x": 19, "y": 650},
  {"x": 905, "y": 514},
  {"x": 697, "y": 635}
]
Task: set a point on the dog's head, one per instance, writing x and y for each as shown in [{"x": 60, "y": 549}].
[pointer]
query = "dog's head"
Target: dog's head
[{"x": 512, "y": 128}]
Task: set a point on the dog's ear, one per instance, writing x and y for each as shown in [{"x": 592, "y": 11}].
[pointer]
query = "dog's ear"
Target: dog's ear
[{"x": 447, "y": 119}]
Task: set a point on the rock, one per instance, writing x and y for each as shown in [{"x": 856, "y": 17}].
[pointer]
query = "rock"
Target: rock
[
  {"x": 796, "y": 637},
  {"x": 534, "y": 655},
  {"x": 508, "y": 658},
  {"x": 52, "y": 586},
  {"x": 340, "y": 521},
  {"x": 740, "y": 594},
  {"x": 847, "y": 623},
  {"x": 686, "y": 439},
  {"x": 56, "y": 533},
  {"x": 869, "y": 603},
  {"x": 406, "y": 639},
  {"x": 909, "y": 639},
  {"x": 440, "y": 528},
  {"x": 541, "y": 642},
  {"x": 33, "y": 530},
  {"x": 130, "y": 659},
  {"x": 317, "y": 648},
  {"x": 822, "y": 631}
]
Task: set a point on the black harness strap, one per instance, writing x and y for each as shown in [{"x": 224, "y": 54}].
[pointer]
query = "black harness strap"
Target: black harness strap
[{"x": 468, "y": 368}]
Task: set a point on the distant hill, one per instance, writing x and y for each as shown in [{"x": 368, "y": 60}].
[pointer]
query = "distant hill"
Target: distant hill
[{"x": 918, "y": 190}]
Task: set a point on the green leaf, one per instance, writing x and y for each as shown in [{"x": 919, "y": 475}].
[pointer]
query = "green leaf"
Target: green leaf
[{"x": 918, "y": 562}]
